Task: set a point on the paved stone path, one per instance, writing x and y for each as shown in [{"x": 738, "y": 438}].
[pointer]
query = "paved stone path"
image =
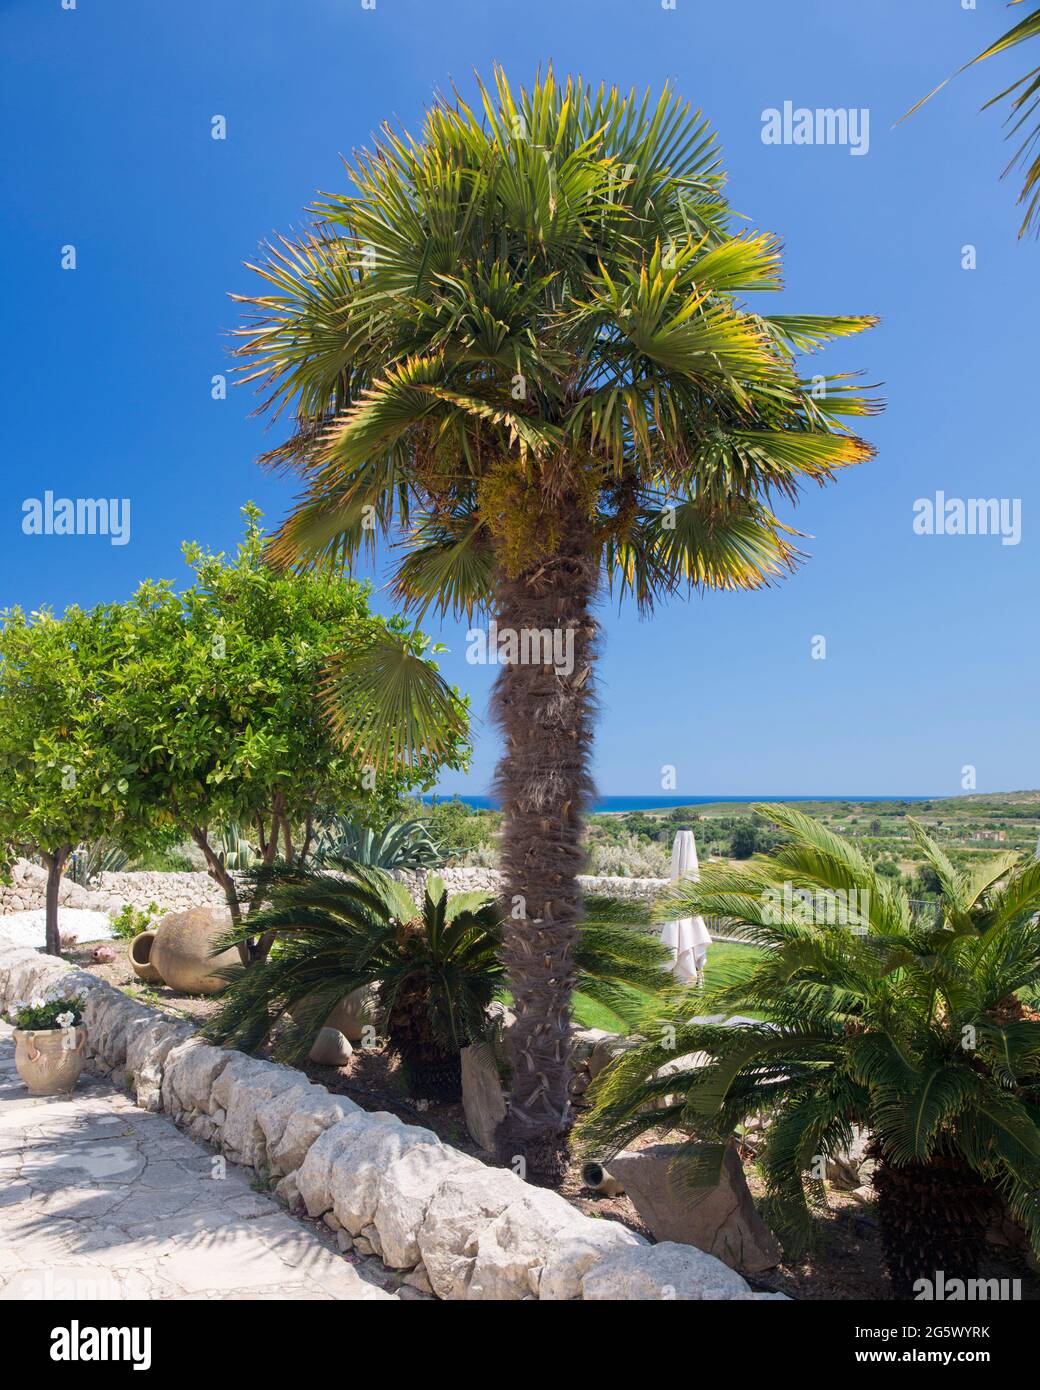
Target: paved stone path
[{"x": 99, "y": 1199}]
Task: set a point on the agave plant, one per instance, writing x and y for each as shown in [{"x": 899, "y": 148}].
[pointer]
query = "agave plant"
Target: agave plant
[
  {"x": 400, "y": 845},
  {"x": 234, "y": 851},
  {"x": 434, "y": 964},
  {"x": 521, "y": 343},
  {"x": 910, "y": 1028},
  {"x": 96, "y": 857}
]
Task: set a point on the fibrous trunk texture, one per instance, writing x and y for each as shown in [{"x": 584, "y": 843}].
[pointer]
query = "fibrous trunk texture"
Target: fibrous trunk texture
[
  {"x": 933, "y": 1218},
  {"x": 430, "y": 1072},
  {"x": 545, "y": 711}
]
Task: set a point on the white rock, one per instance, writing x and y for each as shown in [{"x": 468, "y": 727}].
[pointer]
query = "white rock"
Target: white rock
[
  {"x": 404, "y": 1192},
  {"x": 418, "y": 1279},
  {"x": 146, "y": 1051},
  {"x": 576, "y": 1249},
  {"x": 312, "y": 1177},
  {"x": 274, "y": 1114},
  {"x": 513, "y": 1249},
  {"x": 189, "y": 1072},
  {"x": 376, "y": 1141},
  {"x": 317, "y": 1114},
  {"x": 659, "y": 1273},
  {"x": 458, "y": 1212},
  {"x": 241, "y": 1089},
  {"x": 289, "y": 1193}
]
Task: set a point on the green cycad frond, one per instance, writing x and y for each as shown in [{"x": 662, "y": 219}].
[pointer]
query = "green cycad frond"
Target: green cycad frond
[
  {"x": 908, "y": 1030},
  {"x": 337, "y": 932},
  {"x": 620, "y": 966}
]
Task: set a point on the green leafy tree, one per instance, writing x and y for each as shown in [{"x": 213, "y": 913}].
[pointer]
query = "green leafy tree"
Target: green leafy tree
[
  {"x": 64, "y": 775},
  {"x": 220, "y": 704},
  {"x": 521, "y": 343},
  {"x": 744, "y": 842},
  {"x": 905, "y": 1025}
]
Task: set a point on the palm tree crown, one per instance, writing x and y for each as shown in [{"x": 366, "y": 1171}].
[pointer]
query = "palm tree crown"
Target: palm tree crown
[{"x": 541, "y": 303}]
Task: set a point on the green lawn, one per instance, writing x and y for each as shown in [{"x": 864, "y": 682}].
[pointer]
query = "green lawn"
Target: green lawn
[{"x": 723, "y": 956}]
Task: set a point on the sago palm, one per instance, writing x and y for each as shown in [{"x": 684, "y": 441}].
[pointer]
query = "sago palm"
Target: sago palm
[
  {"x": 907, "y": 1027},
  {"x": 518, "y": 346},
  {"x": 434, "y": 965}
]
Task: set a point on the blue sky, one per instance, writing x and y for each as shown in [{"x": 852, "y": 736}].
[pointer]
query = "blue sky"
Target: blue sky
[{"x": 932, "y": 658}]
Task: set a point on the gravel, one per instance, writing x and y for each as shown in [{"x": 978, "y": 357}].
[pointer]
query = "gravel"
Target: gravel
[{"x": 30, "y": 929}]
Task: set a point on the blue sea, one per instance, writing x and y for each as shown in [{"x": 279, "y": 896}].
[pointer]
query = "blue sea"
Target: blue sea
[{"x": 659, "y": 803}]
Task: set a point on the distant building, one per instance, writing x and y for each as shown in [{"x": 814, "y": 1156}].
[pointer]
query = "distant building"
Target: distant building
[{"x": 998, "y": 835}]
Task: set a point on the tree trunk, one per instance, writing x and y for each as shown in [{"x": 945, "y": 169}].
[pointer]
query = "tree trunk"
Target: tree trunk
[
  {"x": 55, "y": 863},
  {"x": 932, "y": 1217},
  {"x": 545, "y": 709}
]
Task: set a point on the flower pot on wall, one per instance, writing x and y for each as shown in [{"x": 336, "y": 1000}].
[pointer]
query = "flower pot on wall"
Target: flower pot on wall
[
  {"x": 139, "y": 954},
  {"x": 49, "y": 1060},
  {"x": 182, "y": 950}
]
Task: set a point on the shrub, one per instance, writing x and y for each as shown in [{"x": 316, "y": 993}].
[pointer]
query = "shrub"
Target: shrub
[{"x": 132, "y": 921}]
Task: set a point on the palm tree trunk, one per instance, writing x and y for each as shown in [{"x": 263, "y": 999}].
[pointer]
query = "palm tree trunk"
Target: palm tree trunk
[
  {"x": 932, "y": 1217},
  {"x": 545, "y": 708}
]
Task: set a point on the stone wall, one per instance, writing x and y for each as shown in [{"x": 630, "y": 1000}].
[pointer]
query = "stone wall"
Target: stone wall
[
  {"x": 175, "y": 892},
  {"x": 470, "y": 880},
  {"x": 464, "y": 1230},
  {"x": 172, "y": 891}
]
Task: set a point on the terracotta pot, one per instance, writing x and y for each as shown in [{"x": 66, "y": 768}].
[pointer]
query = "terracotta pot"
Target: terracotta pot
[
  {"x": 358, "y": 1009},
  {"x": 345, "y": 1025},
  {"x": 139, "y": 954},
  {"x": 182, "y": 950},
  {"x": 49, "y": 1060}
]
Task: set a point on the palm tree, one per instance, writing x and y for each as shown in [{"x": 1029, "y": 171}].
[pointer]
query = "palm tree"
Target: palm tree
[
  {"x": 1022, "y": 113},
  {"x": 909, "y": 1028},
  {"x": 434, "y": 965},
  {"x": 517, "y": 348}
]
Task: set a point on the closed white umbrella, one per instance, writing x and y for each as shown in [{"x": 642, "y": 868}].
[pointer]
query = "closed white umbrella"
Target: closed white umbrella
[{"x": 688, "y": 938}]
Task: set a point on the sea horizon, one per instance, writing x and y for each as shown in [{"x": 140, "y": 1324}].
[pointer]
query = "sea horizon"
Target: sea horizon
[{"x": 665, "y": 802}]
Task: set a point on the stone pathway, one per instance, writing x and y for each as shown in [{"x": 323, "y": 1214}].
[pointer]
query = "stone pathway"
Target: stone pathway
[{"x": 101, "y": 1200}]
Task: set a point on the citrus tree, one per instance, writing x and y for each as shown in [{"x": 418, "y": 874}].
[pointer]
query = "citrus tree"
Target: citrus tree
[
  {"x": 219, "y": 705},
  {"x": 63, "y": 776},
  {"x": 520, "y": 343}
]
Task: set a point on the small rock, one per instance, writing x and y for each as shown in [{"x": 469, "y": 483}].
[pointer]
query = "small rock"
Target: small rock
[
  {"x": 419, "y": 1279},
  {"x": 332, "y": 1221},
  {"x": 344, "y": 1239},
  {"x": 371, "y": 1235}
]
